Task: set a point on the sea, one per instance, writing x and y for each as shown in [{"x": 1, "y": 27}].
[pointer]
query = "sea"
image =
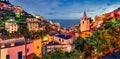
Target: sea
[{"x": 66, "y": 22}]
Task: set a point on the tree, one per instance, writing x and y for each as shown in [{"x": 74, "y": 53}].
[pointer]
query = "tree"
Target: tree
[
  {"x": 24, "y": 31},
  {"x": 75, "y": 54},
  {"x": 55, "y": 55},
  {"x": 79, "y": 43}
]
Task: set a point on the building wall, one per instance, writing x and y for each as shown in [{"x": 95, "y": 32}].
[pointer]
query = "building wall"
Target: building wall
[
  {"x": 30, "y": 47},
  {"x": 37, "y": 47},
  {"x": 11, "y": 27},
  {"x": 65, "y": 48},
  {"x": 84, "y": 25},
  {"x": 63, "y": 41},
  {"x": 3, "y": 54},
  {"x": 13, "y": 51},
  {"x": 33, "y": 26}
]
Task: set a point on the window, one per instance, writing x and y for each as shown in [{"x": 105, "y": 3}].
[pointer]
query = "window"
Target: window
[
  {"x": 27, "y": 50},
  {"x": 37, "y": 47},
  {"x": 20, "y": 55},
  {"x": 83, "y": 22},
  {"x": 7, "y": 56},
  {"x": 59, "y": 39}
]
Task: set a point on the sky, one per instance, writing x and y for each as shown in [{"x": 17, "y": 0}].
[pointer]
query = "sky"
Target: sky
[{"x": 67, "y": 9}]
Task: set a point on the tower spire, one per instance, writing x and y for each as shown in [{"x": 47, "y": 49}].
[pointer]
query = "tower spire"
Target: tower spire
[{"x": 84, "y": 16}]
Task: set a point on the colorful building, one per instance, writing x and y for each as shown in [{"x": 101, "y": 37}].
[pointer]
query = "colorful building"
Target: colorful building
[
  {"x": 11, "y": 26},
  {"x": 85, "y": 27},
  {"x": 84, "y": 23},
  {"x": 52, "y": 46},
  {"x": 37, "y": 47},
  {"x": 17, "y": 48},
  {"x": 63, "y": 39},
  {"x": 12, "y": 50},
  {"x": 32, "y": 24}
]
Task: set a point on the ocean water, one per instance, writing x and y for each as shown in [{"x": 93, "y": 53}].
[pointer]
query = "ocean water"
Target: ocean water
[{"x": 66, "y": 22}]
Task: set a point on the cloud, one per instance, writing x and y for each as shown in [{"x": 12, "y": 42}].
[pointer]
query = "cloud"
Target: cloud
[{"x": 67, "y": 9}]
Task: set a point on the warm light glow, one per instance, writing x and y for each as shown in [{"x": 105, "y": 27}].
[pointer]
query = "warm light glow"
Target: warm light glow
[{"x": 45, "y": 38}]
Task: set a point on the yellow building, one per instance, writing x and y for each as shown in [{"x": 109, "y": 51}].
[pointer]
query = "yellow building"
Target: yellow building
[
  {"x": 3, "y": 53},
  {"x": 11, "y": 26},
  {"x": 32, "y": 24},
  {"x": 86, "y": 34},
  {"x": 32, "y": 20},
  {"x": 37, "y": 43}
]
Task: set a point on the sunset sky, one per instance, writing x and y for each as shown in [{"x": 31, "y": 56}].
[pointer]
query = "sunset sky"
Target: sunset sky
[{"x": 67, "y": 9}]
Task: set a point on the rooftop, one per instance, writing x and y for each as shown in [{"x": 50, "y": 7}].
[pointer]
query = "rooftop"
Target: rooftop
[{"x": 64, "y": 36}]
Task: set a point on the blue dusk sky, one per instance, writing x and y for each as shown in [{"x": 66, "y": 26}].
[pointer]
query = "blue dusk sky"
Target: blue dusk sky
[{"x": 67, "y": 9}]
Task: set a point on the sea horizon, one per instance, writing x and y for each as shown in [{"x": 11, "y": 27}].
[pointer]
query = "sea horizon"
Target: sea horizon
[{"x": 66, "y": 22}]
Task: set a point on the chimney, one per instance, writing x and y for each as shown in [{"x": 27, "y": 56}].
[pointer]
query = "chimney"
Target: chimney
[
  {"x": 12, "y": 44},
  {"x": 3, "y": 45}
]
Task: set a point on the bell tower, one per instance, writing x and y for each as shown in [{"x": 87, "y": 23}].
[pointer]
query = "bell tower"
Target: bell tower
[{"x": 84, "y": 23}]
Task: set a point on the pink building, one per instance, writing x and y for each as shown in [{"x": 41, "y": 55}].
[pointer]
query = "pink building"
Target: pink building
[
  {"x": 29, "y": 49},
  {"x": 15, "y": 50}
]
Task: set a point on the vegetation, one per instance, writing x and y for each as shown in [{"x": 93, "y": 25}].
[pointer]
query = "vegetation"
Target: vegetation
[
  {"x": 102, "y": 42},
  {"x": 59, "y": 54}
]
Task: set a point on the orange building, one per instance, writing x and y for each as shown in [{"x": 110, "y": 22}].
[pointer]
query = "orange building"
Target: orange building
[{"x": 37, "y": 44}]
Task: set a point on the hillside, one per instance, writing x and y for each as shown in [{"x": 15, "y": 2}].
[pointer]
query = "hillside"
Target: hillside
[
  {"x": 106, "y": 20},
  {"x": 8, "y": 11}
]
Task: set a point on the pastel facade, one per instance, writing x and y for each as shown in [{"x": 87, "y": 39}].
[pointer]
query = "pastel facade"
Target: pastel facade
[
  {"x": 15, "y": 49},
  {"x": 11, "y": 26},
  {"x": 3, "y": 53},
  {"x": 32, "y": 24},
  {"x": 15, "y": 52},
  {"x": 29, "y": 48},
  {"x": 65, "y": 48},
  {"x": 63, "y": 39},
  {"x": 31, "y": 20}
]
